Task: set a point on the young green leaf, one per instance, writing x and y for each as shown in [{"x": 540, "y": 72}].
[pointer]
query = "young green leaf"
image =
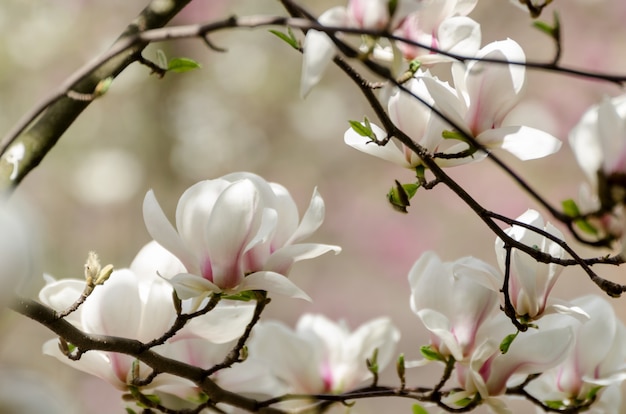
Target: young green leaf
[
  {"x": 288, "y": 37},
  {"x": 507, "y": 341},
  {"x": 363, "y": 129},
  {"x": 180, "y": 65},
  {"x": 418, "y": 409},
  {"x": 430, "y": 354},
  {"x": 161, "y": 59}
]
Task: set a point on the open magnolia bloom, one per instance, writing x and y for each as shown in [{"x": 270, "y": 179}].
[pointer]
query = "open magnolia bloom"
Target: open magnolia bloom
[
  {"x": 452, "y": 302},
  {"x": 486, "y": 94},
  {"x": 489, "y": 371},
  {"x": 600, "y": 148},
  {"x": 530, "y": 281},
  {"x": 322, "y": 356},
  {"x": 596, "y": 360},
  {"x": 417, "y": 121},
  {"x": 236, "y": 233},
  {"x": 135, "y": 303}
]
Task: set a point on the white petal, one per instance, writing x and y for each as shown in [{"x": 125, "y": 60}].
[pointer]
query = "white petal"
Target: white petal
[
  {"x": 224, "y": 323},
  {"x": 524, "y": 142},
  {"x": 460, "y": 35},
  {"x": 319, "y": 50},
  {"x": 272, "y": 282},
  {"x": 189, "y": 286},
  {"x": 164, "y": 233},
  {"x": 283, "y": 258},
  {"x": 389, "y": 152},
  {"x": 234, "y": 221},
  {"x": 439, "y": 325},
  {"x": 312, "y": 219}
]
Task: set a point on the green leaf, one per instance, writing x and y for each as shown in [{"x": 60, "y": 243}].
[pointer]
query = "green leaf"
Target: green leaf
[
  {"x": 180, "y": 65},
  {"x": 288, "y": 37},
  {"x": 507, "y": 341},
  {"x": 414, "y": 65},
  {"x": 447, "y": 134},
  {"x": 431, "y": 354},
  {"x": 570, "y": 208},
  {"x": 592, "y": 393},
  {"x": 130, "y": 411},
  {"x": 399, "y": 198},
  {"x": 554, "y": 30},
  {"x": 410, "y": 189},
  {"x": 554, "y": 404},
  {"x": 245, "y": 296},
  {"x": 161, "y": 59},
  {"x": 418, "y": 409},
  {"x": 364, "y": 129}
]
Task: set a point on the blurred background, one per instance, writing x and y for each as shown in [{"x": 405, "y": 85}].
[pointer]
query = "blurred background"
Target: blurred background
[{"x": 242, "y": 112}]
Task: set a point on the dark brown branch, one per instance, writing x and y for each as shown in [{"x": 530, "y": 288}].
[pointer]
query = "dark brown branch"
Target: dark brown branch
[{"x": 48, "y": 317}]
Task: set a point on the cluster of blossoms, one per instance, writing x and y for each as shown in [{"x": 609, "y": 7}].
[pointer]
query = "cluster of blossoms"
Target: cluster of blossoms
[
  {"x": 238, "y": 235},
  {"x": 575, "y": 346}
]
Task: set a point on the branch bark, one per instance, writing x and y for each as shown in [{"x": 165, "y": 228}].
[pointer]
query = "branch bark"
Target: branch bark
[{"x": 53, "y": 116}]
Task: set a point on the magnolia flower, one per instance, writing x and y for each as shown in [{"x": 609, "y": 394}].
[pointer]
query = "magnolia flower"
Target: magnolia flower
[
  {"x": 486, "y": 94},
  {"x": 321, "y": 356},
  {"x": 440, "y": 24},
  {"x": 236, "y": 233},
  {"x": 319, "y": 49},
  {"x": 597, "y": 358},
  {"x": 530, "y": 281},
  {"x": 600, "y": 148},
  {"x": 135, "y": 303},
  {"x": 417, "y": 121},
  {"x": 452, "y": 301},
  {"x": 489, "y": 370}
]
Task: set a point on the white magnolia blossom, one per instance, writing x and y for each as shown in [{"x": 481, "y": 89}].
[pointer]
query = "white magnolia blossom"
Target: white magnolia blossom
[
  {"x": 417, "y": 121},
  {"x": 236, "y": 233},
  {"x": 598, "y": 139},
  {"x": 319, "y": 49},
  {"x": 322, "y": 356},
  {"x": 441, "y": 24},
  {"x": 452, "y": 301},
  {"x": 136, "y": 303},
  {"x": 487, "y": 93},
  {"x": 596, "y": 359},
  {"x": 530, "y": 281},
  {"x": 489, "y": 371}
]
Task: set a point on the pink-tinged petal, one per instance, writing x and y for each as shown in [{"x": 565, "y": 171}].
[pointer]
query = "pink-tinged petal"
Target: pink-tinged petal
[
  {"x": 530, "y": 353},
  {"x": 194, "y": 210},
  {"x": 460, "y": 35},
  {"x": 319, "y": 50},
  {"x": 93, "y": 362},
  {"x": 368, "y": 14},
  {"x": 258, "y": 250},
  {"x": 493, "y": 90},
  {"x": 283, "y": 258},
  {"x": 440, "y": 326},
  {"x": 161, "y": 230},
  {"x": 390, "y": 152},
  {"x": 235, "y": 220},
  {"x": 272, "y": 282},
  {"x": 524, "y": 142},
  {"x": 412, "y": 116},
  {"x": 189, "y": 286},
  {"x": 312, "y": 219},
  {"x": 114, "y": 308},
  {"x": 224, "y": 323}
]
